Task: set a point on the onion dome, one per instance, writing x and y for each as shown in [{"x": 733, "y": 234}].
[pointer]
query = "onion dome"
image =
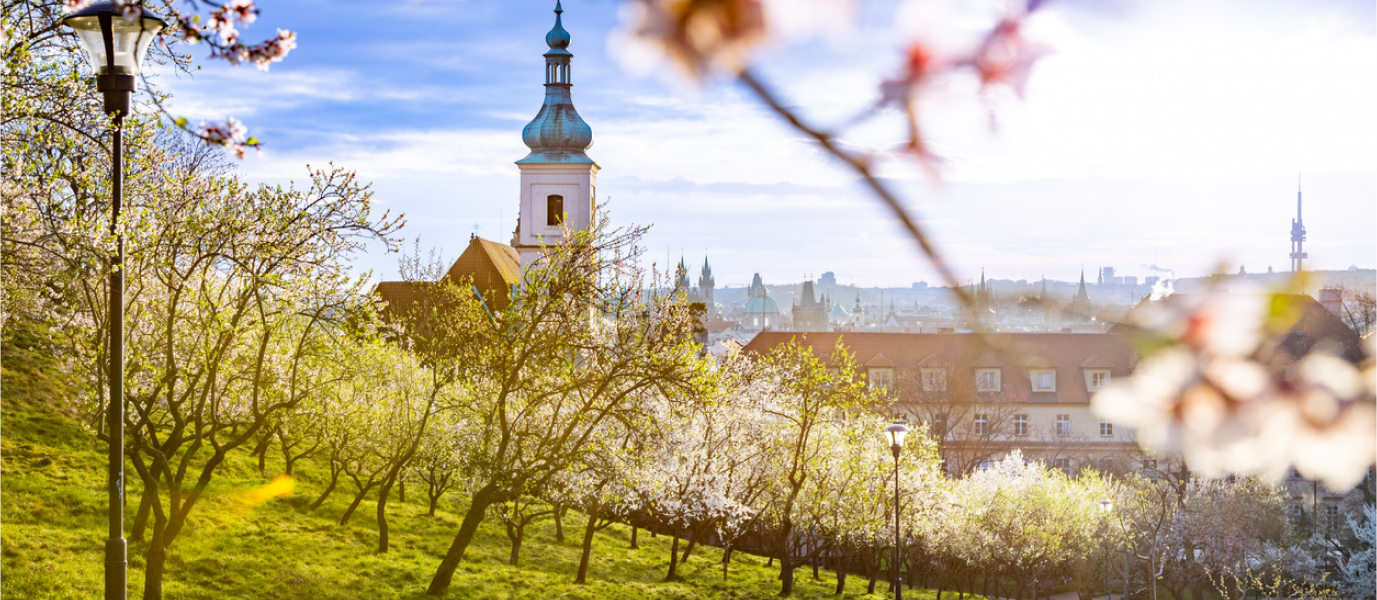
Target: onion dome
[{"x": 557, "y": 134}]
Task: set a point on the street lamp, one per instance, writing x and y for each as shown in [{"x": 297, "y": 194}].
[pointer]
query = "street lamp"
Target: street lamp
[
  {"x": 116, "y": 46},
  {"x": 896, "y": 433},
  {"x": 1105, "y": 507}
]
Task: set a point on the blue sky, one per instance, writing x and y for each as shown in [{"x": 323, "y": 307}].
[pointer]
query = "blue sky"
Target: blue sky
[{"x": 1166, "y": 131}]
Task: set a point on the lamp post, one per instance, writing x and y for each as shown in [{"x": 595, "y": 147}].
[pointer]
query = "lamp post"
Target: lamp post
[
  {"x": 116, "y": 46},
  {"x": 1105, "y": 507},
  {"x": 896, "y": 433}
]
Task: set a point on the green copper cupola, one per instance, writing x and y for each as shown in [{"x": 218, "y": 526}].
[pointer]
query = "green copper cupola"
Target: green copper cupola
[{"x": 557, "y": 134}]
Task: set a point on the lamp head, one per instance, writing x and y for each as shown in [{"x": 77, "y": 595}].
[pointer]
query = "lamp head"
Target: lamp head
[
  {"x": 1106, "y": 506},
  {"x": 114, "y": 44},
  {"x": 895, "y": 433}
]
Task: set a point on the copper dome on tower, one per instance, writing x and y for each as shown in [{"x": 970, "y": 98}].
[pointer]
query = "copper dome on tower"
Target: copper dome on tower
[{"x": 557, "y": 134}]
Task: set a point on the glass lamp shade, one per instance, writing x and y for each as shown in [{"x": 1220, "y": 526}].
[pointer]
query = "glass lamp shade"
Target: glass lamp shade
[
  {"x": 896, "y": 433},
  {"x": 129, "y": 38},
  {"x": 1106, "y": 506}
]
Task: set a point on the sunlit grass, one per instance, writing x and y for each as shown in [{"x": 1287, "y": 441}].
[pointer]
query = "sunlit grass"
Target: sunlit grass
[{"x": 52, "y": 503}]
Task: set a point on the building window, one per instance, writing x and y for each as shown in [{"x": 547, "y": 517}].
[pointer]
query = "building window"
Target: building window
[
  {"x": 1331, "y": 518},
  {"x": 1063, "y": 425},
  {"x": 881, "y": 378},
  {"x": 1096, "y": 379},
  {"x": 934, "y": 380},
  {"x": 1062, "y": 463},
  {"x": 984, "y": 464},
  {"x": 1149, "y": 464},
  {"x": 982, "y": 424},
  {"x": 1104, "y": 464},
  {"x": 554, "y": 210},
  {"x": 987, "y": 380},
  {"x": 1297, "y": 514},
  {"x": 1106, "y": 428},
  {"x": 1044, "y": 380},
  {"x": 1020, "y": 424},
  {"x": 1292, "y": 473}
]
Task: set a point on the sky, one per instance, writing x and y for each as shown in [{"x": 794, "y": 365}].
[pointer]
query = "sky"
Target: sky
[{"x": 1163, "y": 132}]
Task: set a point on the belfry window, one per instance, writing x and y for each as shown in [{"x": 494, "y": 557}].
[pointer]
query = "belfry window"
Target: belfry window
[{"x": 554, "y": 210}]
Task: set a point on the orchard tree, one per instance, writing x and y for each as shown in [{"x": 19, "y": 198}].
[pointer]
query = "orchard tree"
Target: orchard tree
[
  {"x": 239, "y": 309},
  {"x": 806, "y": 398},
  {"x": 585, "y": 341}
]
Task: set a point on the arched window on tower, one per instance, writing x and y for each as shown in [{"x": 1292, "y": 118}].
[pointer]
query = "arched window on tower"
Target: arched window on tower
[{"x": 554, "y": 210}]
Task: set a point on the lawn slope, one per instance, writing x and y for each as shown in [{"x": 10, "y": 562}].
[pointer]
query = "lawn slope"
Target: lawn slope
[{"x": 53, "y": 526}]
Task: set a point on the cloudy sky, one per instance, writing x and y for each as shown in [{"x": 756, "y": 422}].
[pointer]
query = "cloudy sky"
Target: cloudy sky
[{"x": 1166, "y": 132}]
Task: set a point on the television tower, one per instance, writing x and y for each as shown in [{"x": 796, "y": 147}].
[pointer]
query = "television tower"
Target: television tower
[{"x": 1297, "y": 234}]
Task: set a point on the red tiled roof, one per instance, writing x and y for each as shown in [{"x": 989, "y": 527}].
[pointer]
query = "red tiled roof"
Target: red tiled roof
[
  {"x": 491, "y": 267},
  {"x": 1064, "y": 352}
]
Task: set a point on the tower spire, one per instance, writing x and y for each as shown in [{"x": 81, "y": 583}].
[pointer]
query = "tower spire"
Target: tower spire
[
  {"x": 557, "y": 134},
  {"x": 1297, "y": 233}
]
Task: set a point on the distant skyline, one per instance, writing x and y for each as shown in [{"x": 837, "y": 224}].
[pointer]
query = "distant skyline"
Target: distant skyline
[{"x": 1166, "y": 132}]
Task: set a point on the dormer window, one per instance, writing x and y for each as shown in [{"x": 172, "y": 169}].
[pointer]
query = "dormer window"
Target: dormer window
[
  {"x": 1096, "y": 379},
  {"x": 934, "y": 380},
  {"x": 1043, "y": 380},
  {"x": 987, "y": 380},
  {"x": 881, "y": 378},
  {"x": 554, "y": 210}
]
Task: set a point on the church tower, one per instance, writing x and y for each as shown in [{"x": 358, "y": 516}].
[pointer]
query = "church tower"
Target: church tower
[
  {"x": 558, "y": 181},
  {"x": 706, "y": 283}
]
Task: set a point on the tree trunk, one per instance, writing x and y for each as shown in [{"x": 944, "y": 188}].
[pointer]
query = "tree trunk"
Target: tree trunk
[
  {"x": 434, "y": 500},
  {"x": 692, "y": 543},
  {"x": 726, "y": 560},
  {"x": 841, "y": 576},
  {"x": 349, "y": 512},
  {"x": 383, "y": 493},
  {"x": 786, "y": 575},
  {"x": 673, "y": 559},
  {"x": 146, "y": 501},
  {"x": 482, "y": 499},
  {"x": 874, "y": 578},
  {"x": 262, "y": 451},
  {"x": 634, "y": 545},
  {"x": 401, "y": 491},
  {"x": 155, "y": 561},
  {"x": 816, "y": 577},
  {"x": 587, "y": 547},
  {"x": 334, "y": 480},
  {"x": 515, "y": 533},
  {"x": 559, "y": 524}
]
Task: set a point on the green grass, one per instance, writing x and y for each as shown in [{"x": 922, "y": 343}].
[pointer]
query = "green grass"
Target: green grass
[{"x": 52, "y": 507}]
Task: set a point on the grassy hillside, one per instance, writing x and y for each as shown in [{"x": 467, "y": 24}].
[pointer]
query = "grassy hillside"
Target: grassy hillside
[{"x": 52, "y": 507}]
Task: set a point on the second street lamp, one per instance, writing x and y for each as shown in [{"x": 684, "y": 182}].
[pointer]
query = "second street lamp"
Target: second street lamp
[
  {"x": 1105, "y": 507},
  {"x": 116, "y": 46},
  {"x": 896, "y": 433}
]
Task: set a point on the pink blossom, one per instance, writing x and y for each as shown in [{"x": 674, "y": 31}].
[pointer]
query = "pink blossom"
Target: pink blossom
[
  {"x": 231, "y": 134},
  {"x": 1223, "y": 393},
  {"x": 273, "y": 50},
  {"x": 244, "y": 11}
]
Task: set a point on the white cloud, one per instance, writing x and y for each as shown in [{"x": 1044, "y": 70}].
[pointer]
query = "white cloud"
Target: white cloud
[{"x": 1168, "y": 131}]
